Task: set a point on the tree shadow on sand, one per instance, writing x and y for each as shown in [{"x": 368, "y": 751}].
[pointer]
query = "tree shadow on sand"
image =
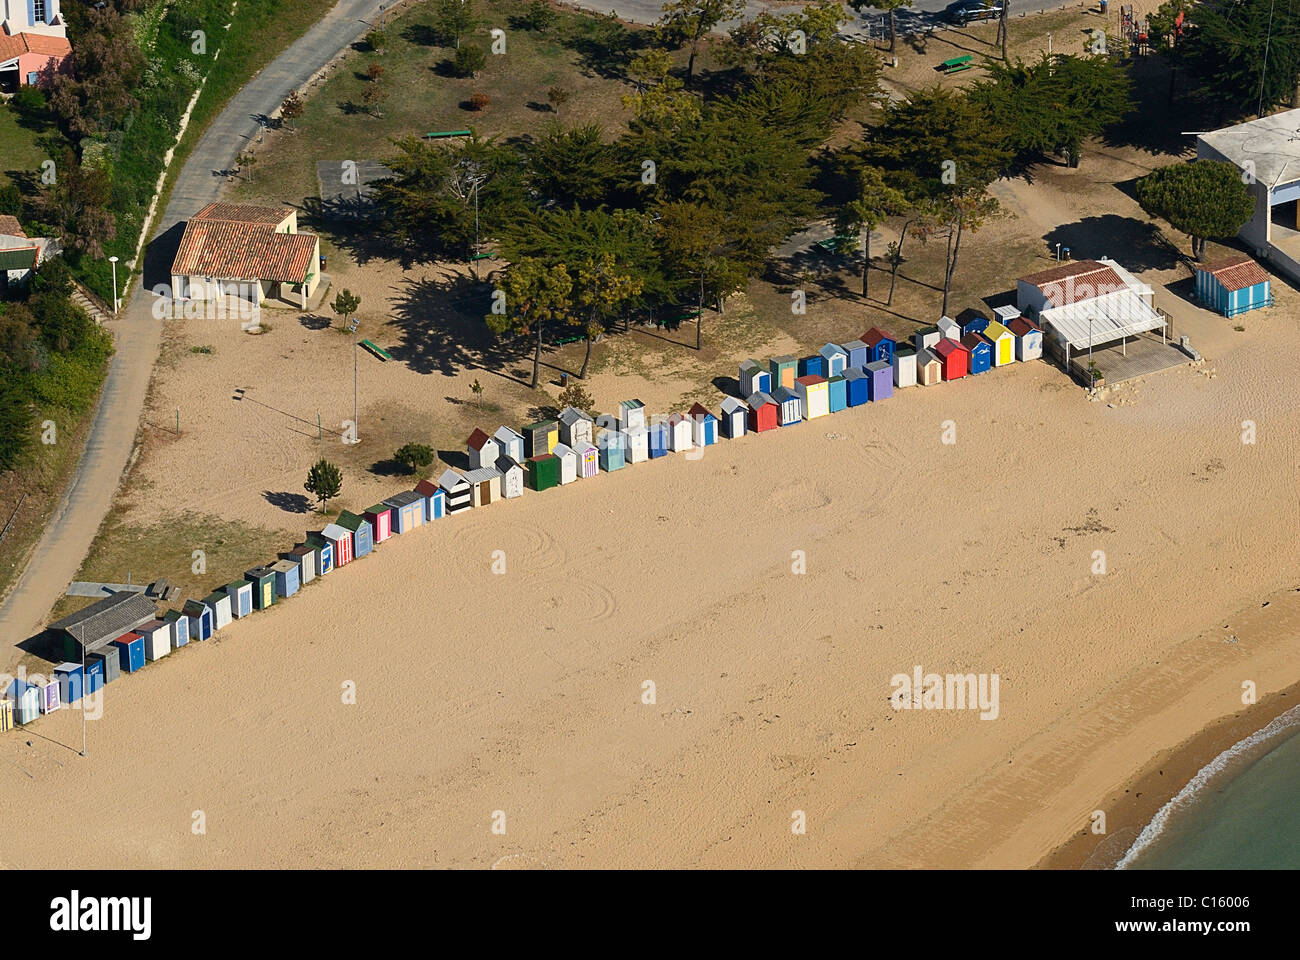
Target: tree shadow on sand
[
  {"x": 1136, "y": 245},
  {"x": 288, "y": 502}
]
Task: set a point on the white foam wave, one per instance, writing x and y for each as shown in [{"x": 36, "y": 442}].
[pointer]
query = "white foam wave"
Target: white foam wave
[{"x": 1203, "y": 776}]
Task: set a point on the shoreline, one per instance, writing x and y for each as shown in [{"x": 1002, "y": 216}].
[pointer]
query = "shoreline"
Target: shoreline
[{"x": 1160, "y": 779}]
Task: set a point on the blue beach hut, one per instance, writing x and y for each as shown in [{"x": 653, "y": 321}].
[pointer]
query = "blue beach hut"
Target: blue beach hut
[
  {"x": 839, "y": 394},
  {"x": 837, "y": 359},
  {"x": 857, "y": 383},
  {"x": 981, "y": 352},
  {"x": 858, "y": 352},
  {"x": 814, "y": 366},
  {"x": 1233, "y": 285}
]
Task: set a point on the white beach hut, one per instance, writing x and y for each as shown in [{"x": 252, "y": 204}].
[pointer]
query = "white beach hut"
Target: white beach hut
[
  {"x": 510, "y": 443},
  {"x": 568, "y": 458},
  {"x": 575, "y": 426},
  {"x": 948, "y": 329},
  {"x": 680, "y": 435},
  {"x": 637, "y": 447},
  {"x": 512, "y": 477}
]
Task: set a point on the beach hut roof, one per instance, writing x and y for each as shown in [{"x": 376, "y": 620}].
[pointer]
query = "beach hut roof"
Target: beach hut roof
[
  {"x": 507, "y": 463},
  {"x": 700, "y": 410},
  {"x": 451, "y": 480},
  {"x": 854, "y": 373},
  {"x": 571, "y": 415},
  {"x": 850, "y": 345},
  {"x": 378, "y": 508},
  {"x": 875, "y": 335},
  {"x": 631, "y": 404},
  {"x": 904, "y": 350},
  {"x": 105, "y": 619},
  {"x": 810, "y": 380},
  {"x": 404, "y": 499},
  {"x": 947, "y": 346},
  {"x": 284, "y": 566},
  {"x": 759, "y": 399},
  {"x": 784, "y": 360},
  {"x": 878, "y": 365},
  {"x": 831, "y": 349},
  {"x": 350, "y": 521},
  {"x": 928, "y": 330},
  {"x": 747, "y": 365},
  {"x": 582, "y": 446},
  {"x": 506, "y": 434},
  {"x": 1236, "y": 272},
  {"x": 973, "y": 341},
  {"x": 1021, "y": 327},
  {"x": 193, "y": 608},
  {"x": 563, "y": 450},
  {"x": 426, "y": 488},
  {"x": 926, "y": 356},
  {"x": 731, "y": 405},
  {"x": 334, "y": 532},
  {"x": 477, "y": 439},
  {"x": 995, "y": 331},
  {"x": 212, "y": 597},
  {"x": 481, "y": 474},
  {"x": 784, "y": 394},
  {"x": 1007, "y": 313}
]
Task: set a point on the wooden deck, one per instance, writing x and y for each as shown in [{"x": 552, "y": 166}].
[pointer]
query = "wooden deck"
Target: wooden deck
[{"x": 1145, "y": 355}]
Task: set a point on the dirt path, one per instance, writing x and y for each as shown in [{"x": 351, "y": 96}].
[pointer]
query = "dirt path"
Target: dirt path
[{"x": 86, "y": 502}]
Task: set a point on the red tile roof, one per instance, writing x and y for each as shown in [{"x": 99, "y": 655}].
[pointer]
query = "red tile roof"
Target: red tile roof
[
  {"x": 244, "y": 213},
  {"x": 243, "y": 250},
  {"x": 874, "y": 336},
  {"x": 948, "y": 345},
  {"x": 810, "y": 380},
  {"x": 1020, "y": 327},
  {"x": 10, "y": 227},
  {"x": 1236, "y": 272},
  {"x": 20, "y": 43},
  {"x": 1076, "y": 281},
  {"x": 477, "y": 439}
]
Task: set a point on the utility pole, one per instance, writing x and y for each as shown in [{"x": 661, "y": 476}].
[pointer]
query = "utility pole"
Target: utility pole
[{"x": 356, "y": 430}]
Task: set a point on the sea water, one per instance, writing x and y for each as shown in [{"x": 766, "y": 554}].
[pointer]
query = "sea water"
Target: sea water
[{"x": 1240, "y": 811}]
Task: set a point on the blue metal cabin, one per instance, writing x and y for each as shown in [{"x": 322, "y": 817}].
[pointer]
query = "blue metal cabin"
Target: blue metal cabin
[
  {"x": 839, "y": 393},
  {"x": 1233, "y": 285},
  {"x": 857, "y": 383}
]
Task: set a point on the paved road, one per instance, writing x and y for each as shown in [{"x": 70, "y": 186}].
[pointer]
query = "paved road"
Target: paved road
[{"x": 89, "y": 497}]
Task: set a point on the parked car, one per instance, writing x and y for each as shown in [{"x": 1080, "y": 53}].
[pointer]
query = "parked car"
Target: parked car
[{"x": 969, "y": 10}]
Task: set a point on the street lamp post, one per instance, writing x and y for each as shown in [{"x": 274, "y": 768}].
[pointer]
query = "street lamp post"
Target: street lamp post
[
  {"x": 356, "y": 430},
  {"x": 113, "y": 261}
]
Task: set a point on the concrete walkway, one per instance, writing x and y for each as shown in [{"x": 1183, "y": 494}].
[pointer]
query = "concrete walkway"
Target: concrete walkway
[{"x": 89, "y": 496}]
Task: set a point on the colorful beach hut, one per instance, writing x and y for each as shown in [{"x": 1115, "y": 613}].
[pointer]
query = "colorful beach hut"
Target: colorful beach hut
[
  {"x": 904, "y": 365},
  {"x": 286, "y": 578},
  {"x": 48, "y": 690},
  {"x": 631, "y": 414},
  {"x": 27, "y": 702},
  {"x": 340, "y": 542},
  {"x": 157, "y": 639},
  {"x": 734, "y": 414},
  {"x": 457, "y": 491},
  {"x": 837, "y": 359},
  {"x": 754, "y": 377},
  {"x": 880, "y": 343},
  {"x": 975, "y": 322},
  {"x": 949, "y": 329},
  {"x": 1004, "y": 315},
  {"x": 880, "y": 380},
  {"x": 70, "y": 677},
  {"x": 929, "y": 369},
  {"x": 859, "y": 354},
  {"x": 435, "y": 498},
  {"x": 130, "y": 657},
  {"x": 1233, "y": 285},
  {"x": 588, "y": 459},
  {"x": 541, "y": 437},
  {"x": 681, "y": 433},
  {"x": 94, "y": 674},
  {"x": 576, "y": 426},
  {"x": 1003, "y": 342},
  {"x": 926, "y": 338},
  {"x": 837, "y": 392},
  {"x": 363, "y": 534},
  {"x": 304, "y": 555},
  {"x": 200, "y": 618},
  {"x": 784, "y": 369},
  {"x": 814, "y": 366},
  {"x": 981, "y": 352},
  {"x": 814, "y": 396},
  {"x": 263, "y": 581},
  {"x": 324, "y": 553},
  {"x": 380, "y": 518},
  {"x": 241, "y": 598},
  {"x": 658, "y": 439},
  {"x": 408, "y": 511},
  {"x": 218, "y": 601},
  {"x": 180, "y": 628},
  {"x": 482, "y": 449},
  {"x": 704, "y": 425},
  {"x": 636, "y": 444},
  {"x": 764, "y": 412},
  {"x": 568, "y": 458},
  {"x": 485, "y": 485},
  {"x": 789, "y": 406},
  {"x": 510, "y": 443},
  {"x": 1029, "y": 339},
  {"x": 512, "y": 477},
  {"x": 954, "y": 358},
  {"x": 857, "y": 386},
  {"x": 612, "y": 446},
  {"x": 544, "y": 471}
]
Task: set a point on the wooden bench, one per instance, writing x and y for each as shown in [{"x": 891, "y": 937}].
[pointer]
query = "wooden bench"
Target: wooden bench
[
  {"x": 378, "y": 351},
  {"x": 956, "y": 64},
  {"x": 833, "y": 244}
]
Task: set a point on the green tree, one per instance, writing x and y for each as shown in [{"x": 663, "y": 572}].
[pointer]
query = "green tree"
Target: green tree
[
  {"x": 949, "y": 218},
  {"x": 469, "y": 60},
  {"x": 539, "y": 16},
  {"x": 324, "y": 481},
  {"x": 292, "y": 109},
  {"x": 873, "y": 200},
  {"x": 575, "y": 395},
  {"x": 535, "y": 295},
  {"x": 1207, "y": 199},
  {"x": 659, "y": 101},
  {"x": 1242, "y": 55},
  {"x": 601, "y": 288},
  {"x": 687, "y": 21},
  {"x": 345, "y": 305},
  {"x": 453, "y": 19},
  {"x": 77, "y": 204},
  {"x": 572, "y": 167},
  {"x": 698, "y": 246},
  {"x": 414, "y": 456}
]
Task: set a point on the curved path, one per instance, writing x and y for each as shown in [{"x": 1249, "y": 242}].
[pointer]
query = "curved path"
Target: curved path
[{"x": 89, "y": 496}]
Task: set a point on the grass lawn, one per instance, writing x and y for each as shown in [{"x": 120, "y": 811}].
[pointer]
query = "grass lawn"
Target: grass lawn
[{"x": 21, "y": 147}]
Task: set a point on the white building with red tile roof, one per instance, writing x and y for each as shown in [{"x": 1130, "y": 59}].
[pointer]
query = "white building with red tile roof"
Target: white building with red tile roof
[
  {"x": 246, "y": 251},
  {"x": 33, "y": 40}
]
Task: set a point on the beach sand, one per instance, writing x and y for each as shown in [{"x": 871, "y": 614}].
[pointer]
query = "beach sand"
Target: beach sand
[{"x": 522, "y": 692}]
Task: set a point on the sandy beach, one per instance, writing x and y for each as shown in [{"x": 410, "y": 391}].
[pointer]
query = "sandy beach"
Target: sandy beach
[{"x": 522, "y": 693}]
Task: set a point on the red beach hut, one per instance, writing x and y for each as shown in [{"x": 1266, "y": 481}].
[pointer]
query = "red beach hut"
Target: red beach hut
[
  {"x": 954, "y": 358},
  {"x": 764, "y": 413}
]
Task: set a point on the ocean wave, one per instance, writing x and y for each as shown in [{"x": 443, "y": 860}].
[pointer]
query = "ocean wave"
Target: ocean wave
[{"x": 1203, "y": 776}]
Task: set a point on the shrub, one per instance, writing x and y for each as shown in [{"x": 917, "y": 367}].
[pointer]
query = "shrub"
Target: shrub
[
  {"x": 29, "y": 101},
  {"x": 11, "y": 200},
  {"x": 479, "y": 101},
  {"x": 539, "y": 16},
  {"x": 468, "y": 60},
  {"x": 414, "y": 456}
]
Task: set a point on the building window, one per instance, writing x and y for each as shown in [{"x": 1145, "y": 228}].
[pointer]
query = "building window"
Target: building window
[{"x": 38, "y": 11}]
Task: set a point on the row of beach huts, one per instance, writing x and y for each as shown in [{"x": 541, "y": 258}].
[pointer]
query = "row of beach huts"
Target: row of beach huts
[{"x": 123, "y": 632}]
